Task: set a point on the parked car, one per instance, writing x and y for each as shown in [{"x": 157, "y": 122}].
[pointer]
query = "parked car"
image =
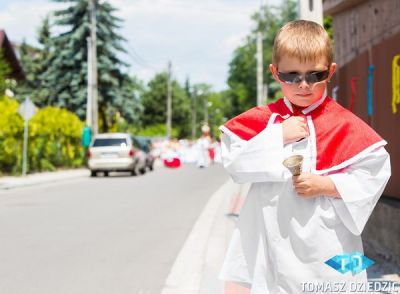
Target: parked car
[
  {"x": 146, "y": 146},
  {"x": 116, "y": 152}
]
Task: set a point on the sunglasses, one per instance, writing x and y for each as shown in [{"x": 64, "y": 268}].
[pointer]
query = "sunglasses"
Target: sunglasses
[{"x": 310, "y": 77}]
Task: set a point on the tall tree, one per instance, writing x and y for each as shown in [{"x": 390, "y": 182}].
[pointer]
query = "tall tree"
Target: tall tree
[
  {"x": 67, "y": 73},
  {"x": 154, "y": 101},
  {"x": 242, "y": 79}
]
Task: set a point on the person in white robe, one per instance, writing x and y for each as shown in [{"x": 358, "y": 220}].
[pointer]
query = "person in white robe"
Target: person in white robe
[
  {"x": 203, "y": 144},
  {"x": 290, "y": 225}
]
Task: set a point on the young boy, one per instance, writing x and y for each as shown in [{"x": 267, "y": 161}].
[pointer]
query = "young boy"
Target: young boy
[{"x": 291, "y": 225}]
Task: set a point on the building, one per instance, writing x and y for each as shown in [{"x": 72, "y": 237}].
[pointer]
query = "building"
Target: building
[
  {"x": 10, "y": 56},
  {"x": 367, "y": 81}
]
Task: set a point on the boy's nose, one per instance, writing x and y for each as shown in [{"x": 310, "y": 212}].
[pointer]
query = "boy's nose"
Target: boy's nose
[{"x": 303, "y": 84}]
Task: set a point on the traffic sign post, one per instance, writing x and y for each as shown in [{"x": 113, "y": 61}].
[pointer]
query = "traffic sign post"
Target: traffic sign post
[{"x": 26, "y": 110}]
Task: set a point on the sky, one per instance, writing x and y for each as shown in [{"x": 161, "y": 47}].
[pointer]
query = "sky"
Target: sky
[{"x": 198, "y": 37}]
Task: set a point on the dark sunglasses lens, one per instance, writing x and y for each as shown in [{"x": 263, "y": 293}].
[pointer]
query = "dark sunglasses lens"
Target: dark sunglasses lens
[
  {"x": 289, "y": 78},
  {"x": 316, "y": 77}
]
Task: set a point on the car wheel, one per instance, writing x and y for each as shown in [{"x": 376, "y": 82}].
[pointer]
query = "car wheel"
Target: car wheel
[
  {"x": 93, "y": 173},
  {"x": 106, "y": 173},
  {"x": 143, "y": 170}
]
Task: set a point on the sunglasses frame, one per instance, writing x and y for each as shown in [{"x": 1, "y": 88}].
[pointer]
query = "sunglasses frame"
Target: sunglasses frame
[{"x": 309, "y": 77}]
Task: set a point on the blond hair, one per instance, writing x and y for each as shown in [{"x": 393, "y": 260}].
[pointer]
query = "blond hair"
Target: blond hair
[{"x": 302, "y": 39}]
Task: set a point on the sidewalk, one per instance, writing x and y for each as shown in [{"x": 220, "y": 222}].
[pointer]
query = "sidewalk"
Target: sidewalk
[
  {"x": 41, "y": 178},
  {"x": 197, "y": 266}
]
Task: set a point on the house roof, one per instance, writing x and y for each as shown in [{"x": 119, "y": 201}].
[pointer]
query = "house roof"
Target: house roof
[{"x": 9, "y": 54}]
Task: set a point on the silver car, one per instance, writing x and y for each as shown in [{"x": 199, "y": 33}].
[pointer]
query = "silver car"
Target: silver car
[{"x": 115, "y": 152}]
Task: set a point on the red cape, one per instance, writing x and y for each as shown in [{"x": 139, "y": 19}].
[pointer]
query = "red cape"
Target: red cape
[{"x": 340, "y": 135}]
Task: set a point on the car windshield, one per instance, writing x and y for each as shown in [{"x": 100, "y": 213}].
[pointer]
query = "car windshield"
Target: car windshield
[{"x": 102, "y": 142}]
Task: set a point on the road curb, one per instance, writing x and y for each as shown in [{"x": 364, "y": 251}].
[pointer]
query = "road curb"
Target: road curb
[{"x": 8, "y": 183}]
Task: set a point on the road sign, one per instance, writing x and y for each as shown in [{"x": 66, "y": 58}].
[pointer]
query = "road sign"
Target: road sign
[{"x": 27, "y": 109}]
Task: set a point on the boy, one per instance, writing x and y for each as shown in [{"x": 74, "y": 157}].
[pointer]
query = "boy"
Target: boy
[{"x": 291, "y": 225}]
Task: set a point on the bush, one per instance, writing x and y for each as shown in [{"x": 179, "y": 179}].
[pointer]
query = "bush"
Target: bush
[
  {"x": 11, "y": 135},
  {"x": 54, "y": 139}
]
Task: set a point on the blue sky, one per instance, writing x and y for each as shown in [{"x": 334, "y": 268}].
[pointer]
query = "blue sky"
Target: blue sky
[{"x": 197, "y": 36}]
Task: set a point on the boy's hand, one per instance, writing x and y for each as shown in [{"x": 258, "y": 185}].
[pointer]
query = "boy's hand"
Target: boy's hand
[
  {"x": 309, "y": 185},
  {"x": 294, "y": 128}
]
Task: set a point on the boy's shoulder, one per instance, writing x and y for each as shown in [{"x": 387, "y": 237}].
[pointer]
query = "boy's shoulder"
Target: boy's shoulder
[
  {"x": 336, "y": 112},
  {"x": 251, "y": 122}
]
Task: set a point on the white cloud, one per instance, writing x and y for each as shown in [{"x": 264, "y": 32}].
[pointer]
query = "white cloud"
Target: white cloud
[
  {"x": 198, "y": 36},
  {"x": 21, "y": 19}
]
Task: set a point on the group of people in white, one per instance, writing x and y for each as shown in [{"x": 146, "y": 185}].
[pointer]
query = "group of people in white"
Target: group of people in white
[{"x": 202, "y": 152}]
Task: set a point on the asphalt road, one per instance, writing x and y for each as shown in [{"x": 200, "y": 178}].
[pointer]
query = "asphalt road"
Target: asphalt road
[{"x": 115, "y": 235}]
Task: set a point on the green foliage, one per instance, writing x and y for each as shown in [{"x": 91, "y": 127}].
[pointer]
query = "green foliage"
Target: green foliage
[
  {"x": 154, "y": 101},
  {"x": 242, "y": 79},
  {"x": 11, "y": 132},
  {"x": 34, "y": 62},
  {"x": 65, "y": 74},
  {"x": 216, "y": 110},
  {"x": 55, "y": 139},
  {"x": 328, "y": 26},
  {"x": 5, "y": 70},
  {"x": 156, "y": 130}
]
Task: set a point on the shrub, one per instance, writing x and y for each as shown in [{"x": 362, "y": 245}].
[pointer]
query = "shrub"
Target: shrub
[
  {"x": 11, "y": 135},
  {"x": 55, "y": 139}
]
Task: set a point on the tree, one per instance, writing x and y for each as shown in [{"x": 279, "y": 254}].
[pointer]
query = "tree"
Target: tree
[
  {"x": 5, "y": 70},
  {"x": 154, "y": 101},
  {"x": 328, "y": 26},
  {"x": 34, "y": 63},
  {"x": 67, "y": 71},
  {"x": 242, "y": 79}
]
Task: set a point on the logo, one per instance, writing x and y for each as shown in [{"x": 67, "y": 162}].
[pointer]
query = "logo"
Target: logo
[{"x": 354, "y": 262}]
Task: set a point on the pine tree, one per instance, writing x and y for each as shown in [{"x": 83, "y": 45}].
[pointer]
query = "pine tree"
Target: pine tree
[{"x": 67, "y": 72}]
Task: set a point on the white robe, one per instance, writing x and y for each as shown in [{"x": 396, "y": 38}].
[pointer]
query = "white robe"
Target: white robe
[
  {"x": 282, "y": 240},
  {"x": 203, "y": 159}
]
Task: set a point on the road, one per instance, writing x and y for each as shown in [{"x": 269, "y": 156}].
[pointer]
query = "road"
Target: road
[{"x": 115, "y": 235}]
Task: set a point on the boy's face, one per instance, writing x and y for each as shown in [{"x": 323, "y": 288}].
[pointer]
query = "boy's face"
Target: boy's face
[{"x": 307, "y": 88}]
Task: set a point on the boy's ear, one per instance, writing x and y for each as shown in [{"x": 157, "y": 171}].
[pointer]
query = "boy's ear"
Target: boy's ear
[
  {"x": 274, "y": 72},
  {"x": 332, "y": 70}
]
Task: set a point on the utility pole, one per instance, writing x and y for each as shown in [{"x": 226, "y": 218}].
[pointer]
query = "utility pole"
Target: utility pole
[
  {"x": 169, "y": 100},
  {"x": 260, "y": 83},
  {"x": 206, "y": 109},
  {"x": 93, "y": 71},
  {"x": 194, "y": 114},
  {"x": 260, "y": 69},
  {"x": 89, "y": 104}
]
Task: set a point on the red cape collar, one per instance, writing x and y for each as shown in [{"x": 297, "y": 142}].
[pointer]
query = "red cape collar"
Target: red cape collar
[{"x": 340, "y": 136}]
